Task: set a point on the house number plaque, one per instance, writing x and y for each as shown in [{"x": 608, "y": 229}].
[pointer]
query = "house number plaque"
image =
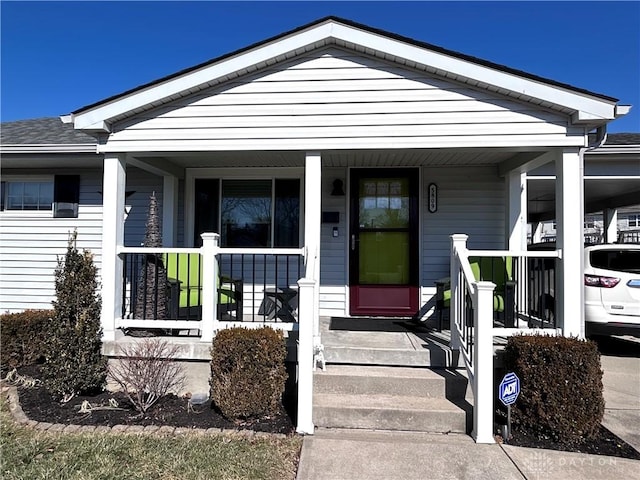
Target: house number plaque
[{"x": 433, "y": 197}]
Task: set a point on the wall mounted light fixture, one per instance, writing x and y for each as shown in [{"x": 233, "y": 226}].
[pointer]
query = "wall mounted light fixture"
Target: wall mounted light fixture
[{"x": 338, "y": 188}]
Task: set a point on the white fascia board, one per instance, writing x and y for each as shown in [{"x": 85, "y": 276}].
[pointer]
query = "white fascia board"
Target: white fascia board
[
  {"x": 592, "y": 107},
  {"x": 176, "y": 86},
  {"x": 50, "y": 148},
  {"x": 599, "y": 108}
]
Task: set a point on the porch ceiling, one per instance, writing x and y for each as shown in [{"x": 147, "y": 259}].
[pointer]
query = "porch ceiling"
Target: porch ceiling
[{"x": 344, "y": 158}]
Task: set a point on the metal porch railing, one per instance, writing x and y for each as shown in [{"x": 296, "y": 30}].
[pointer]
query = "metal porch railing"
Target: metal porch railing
[{"x": 529, "y": 306}]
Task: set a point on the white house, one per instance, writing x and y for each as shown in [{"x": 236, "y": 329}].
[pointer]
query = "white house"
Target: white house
[{"x": 327, "y": 168}]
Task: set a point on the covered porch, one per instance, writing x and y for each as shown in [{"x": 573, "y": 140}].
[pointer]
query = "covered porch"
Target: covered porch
[{"x": 388, "y": 149}]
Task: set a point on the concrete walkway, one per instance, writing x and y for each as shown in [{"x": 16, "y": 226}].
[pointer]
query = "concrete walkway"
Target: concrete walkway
[{"x": 335, "y": 454}]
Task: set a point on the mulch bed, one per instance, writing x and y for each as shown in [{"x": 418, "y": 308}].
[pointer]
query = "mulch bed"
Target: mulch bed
[
  {"x": 170, "y": 410},
  {"x": 603, "y": 443}
]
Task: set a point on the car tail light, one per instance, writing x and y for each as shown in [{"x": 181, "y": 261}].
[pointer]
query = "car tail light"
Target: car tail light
[{"x": 599, "y": 281}]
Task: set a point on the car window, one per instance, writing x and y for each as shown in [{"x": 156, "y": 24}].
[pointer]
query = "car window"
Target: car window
[{"x": 619, "y": 260}]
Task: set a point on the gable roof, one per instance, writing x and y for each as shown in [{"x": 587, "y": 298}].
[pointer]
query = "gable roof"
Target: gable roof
[
  {"x": 585, "y": 107},
  {"x": 42, "y": 131}
]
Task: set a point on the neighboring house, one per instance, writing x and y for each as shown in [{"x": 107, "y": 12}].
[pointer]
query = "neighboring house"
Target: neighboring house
[{"x": 335, "y": 161}]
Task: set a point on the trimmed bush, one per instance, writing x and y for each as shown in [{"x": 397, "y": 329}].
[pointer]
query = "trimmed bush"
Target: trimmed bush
[
  {"x": 561, "y": 387},
  {"x": 248, "y": 372},
  {"x": 74, "y": 361},
  {"x": 22, "y": 337}
]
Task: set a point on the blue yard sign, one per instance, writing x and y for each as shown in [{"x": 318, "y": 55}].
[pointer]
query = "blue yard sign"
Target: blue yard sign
[{"x": 509, "y": 389}]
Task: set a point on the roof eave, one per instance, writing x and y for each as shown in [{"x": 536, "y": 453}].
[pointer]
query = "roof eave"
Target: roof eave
[{"x": 49, "y": 148}]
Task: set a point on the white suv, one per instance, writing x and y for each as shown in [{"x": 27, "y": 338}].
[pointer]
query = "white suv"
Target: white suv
[{"x": 612, "y": 289}]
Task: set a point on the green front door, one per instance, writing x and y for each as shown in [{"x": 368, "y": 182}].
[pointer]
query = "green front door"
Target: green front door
[{"x": 383, "y": 269}]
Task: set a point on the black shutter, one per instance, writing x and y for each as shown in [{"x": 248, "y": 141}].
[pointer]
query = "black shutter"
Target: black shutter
[
  {"x": 66, "y": 196},
  {"x": 2, "y": 194}
]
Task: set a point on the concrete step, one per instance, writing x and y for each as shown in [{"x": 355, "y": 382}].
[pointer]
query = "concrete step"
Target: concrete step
[
  {"x": 388, "y": 412},
  {"x": 403, "y": 381},
  {"x": 388, "y": 356}
]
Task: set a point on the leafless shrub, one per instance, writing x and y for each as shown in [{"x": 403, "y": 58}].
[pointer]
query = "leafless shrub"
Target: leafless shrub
[{"x": 147, "y": 371}]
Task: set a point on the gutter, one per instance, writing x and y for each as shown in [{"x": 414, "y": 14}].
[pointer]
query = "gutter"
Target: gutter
[{"x": 50, "y": 148}]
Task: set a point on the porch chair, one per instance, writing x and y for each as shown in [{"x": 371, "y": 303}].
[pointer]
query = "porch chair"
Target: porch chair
[
  {"x": 184, "y": 278},
  {"x": 498, "y": 270}
]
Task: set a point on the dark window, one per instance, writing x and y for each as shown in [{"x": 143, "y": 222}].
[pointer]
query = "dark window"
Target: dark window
[
  {"x": 287, "y": 213},
  {"x": 66, "y": 196},
  {"x": 207, "y": 193},
  {"x": 246, "y": 213}
]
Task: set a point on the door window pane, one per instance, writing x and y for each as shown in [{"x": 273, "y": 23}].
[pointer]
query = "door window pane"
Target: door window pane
[
  {"x": 206, "y": 208},
  {"x": 384, "y": 203}
]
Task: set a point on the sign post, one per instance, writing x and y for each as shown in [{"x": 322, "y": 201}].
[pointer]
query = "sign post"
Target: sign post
[{"x": 508, "y": 392}]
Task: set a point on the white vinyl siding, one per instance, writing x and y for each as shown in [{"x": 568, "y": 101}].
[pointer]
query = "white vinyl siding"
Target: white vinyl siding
[
  {"x": 470, "y": 201},
  {"x": 333, "y": 250},
  {"x": 30, "y": 246},
  {"x": 335, "y": 99}
]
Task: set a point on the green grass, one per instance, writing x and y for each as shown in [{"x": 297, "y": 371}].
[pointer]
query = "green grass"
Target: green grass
[{"x": 32, "y": 454}]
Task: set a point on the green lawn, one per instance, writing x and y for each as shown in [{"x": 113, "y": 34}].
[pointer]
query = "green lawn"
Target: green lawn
[{"x": 31, "y": 454}]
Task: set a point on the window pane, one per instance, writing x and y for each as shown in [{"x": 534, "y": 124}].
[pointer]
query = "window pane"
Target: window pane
[
  {"x": 206, "y": 208},
  {"x": 46, "y": 195},
  {"x": 246, "y": 213},
  {"x": 287, "y": 213}
]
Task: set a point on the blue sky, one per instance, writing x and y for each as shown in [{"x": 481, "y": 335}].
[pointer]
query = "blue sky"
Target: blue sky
[{"x": 59, "y": 56}]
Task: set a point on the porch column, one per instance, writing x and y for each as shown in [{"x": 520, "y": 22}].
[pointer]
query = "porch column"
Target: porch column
[
  {"x": 312, "y": 223},
  {"x": 569, "y": 290},
  {"x": 536, "y": 232},
  {"x": 169, "y": 211},
  {"x": 517, "y": 211},
  {"x": 113, "y": 188},
  {"x": 210, "y": 323},
  {"x": 610, "y": 220}
]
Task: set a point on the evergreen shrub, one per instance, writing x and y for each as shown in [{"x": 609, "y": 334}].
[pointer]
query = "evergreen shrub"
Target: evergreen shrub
[
  {"x": 248, "y": 372},
  {"x": 560, "y": 387},
  {"x": 22, "y": 337},
  {"x": 74, "y": 362}
]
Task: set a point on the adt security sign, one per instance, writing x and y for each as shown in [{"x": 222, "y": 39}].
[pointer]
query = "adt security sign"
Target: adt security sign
[{"x": 509, "y": 389}]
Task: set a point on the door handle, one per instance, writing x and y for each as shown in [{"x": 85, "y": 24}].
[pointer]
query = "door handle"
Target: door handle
[{"x": 353, "y": 242}]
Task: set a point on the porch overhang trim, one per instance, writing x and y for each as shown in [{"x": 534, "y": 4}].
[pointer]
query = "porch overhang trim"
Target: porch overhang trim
[
  {"x": 586, "y": 109},
  {"x": 49, "y": 148}
]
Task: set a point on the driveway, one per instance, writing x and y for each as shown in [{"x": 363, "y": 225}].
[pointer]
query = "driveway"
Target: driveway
[{"x": 620, "y": 357}]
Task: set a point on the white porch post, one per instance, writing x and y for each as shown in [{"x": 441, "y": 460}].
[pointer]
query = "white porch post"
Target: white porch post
[
  {"x": 312, "y": 223},
  {"x": 517, "y": 210},
  {"x": 113, "y": 189},
  {"x": 458, "y": 244},
  {"x": 169, "y": 211},
  {"x": 210, "y": 323},
  {"x": 306, "y": 293},
  {"x": 569, "y": 290},
  {"x": 610, "y": 221},
  {"x": 536, "y": 232},
  {"x": 483, "y": 364}
]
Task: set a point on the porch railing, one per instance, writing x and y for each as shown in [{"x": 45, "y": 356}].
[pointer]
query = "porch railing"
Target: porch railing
[
  {"x": 479, "y": 315},
  {"x": 204, "y": 289}
]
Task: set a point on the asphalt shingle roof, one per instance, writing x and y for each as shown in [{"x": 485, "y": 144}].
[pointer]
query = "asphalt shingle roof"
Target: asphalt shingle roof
[
  {"x": 49, "y": 130},
  {"x": 623, "y": 139}
]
